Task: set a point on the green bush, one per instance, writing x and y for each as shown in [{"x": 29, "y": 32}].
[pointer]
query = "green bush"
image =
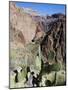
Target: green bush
[
  {"x": 55, "y": 67},
  {"x": 51, "y": 55}
]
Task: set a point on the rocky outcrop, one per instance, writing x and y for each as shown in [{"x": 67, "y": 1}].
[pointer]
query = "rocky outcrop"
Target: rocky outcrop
[{"x": 53, "y": 44}]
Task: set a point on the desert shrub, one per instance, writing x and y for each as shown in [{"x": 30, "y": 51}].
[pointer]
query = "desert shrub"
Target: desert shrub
[
  {"x": 55, "y": 67},
  {"x": 51, "y": 55}
]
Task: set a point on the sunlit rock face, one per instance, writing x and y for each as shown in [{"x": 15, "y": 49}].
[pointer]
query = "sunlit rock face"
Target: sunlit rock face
[{"x": 24, "y": 27}]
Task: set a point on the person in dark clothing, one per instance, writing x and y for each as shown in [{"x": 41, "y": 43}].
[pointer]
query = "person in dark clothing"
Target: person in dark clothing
[
  {"x": 16, "y": 77},
  {"x": 36, "y": 81},
  {"x": 28, "y": 70}
]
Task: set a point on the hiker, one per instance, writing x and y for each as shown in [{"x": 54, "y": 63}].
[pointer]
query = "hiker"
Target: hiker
[
  {"x": 30, "y": 80},
  {"x": 17, "y": 71},
  {"x": 36, "y": 80},
  {"x": 28, "y": 73},
  {"x": 16, "y": 76}
]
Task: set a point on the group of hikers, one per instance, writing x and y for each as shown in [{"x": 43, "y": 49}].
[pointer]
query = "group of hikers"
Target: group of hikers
[{"x": 33, "y": 80}]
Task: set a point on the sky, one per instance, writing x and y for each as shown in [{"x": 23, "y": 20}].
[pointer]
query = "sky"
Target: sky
[{"x": 43, "y": 8}]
